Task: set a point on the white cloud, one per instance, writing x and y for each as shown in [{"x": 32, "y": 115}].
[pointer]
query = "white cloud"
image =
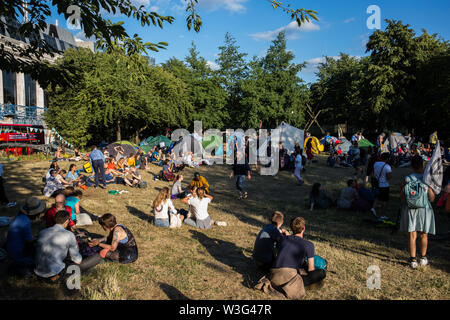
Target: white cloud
[
  {"x": 349, "y": 20},
  {"x": 230, "y": 5},
  {"x": 212, "y": 65},
  {"x": 292, "y": 31},
  {"x": 82, "y": 36}
]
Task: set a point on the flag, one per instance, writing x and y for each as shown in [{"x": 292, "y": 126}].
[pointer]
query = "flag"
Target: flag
[{"x": 434, "y": 172}]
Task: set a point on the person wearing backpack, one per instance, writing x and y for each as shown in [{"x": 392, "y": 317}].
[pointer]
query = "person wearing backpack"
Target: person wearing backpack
[{"x": 417, "y": 216}]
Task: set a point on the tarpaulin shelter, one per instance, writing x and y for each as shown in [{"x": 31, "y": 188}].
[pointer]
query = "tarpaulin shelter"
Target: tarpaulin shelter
[
  {"x": 289, "y": 136},
  {"x": 364, "y": 143},
  {"x": 125, "y": 147}
]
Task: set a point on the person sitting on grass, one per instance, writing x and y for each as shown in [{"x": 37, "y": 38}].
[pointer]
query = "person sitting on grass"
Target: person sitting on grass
[
  {"x": 133, "y": 177},
  {"x": 111, "y": 167},
  {"x": 131, "y": 161},
  {"x": 121, "y": 166},
  {"x": 177, "y": 190},
  {"x": 295, "y": 258},
  {"x": 53, "y": 166},
  {"x": 54, "y": 245},
  {"x": 60, "y": 177},
  {"x": 162, "y": 206},
  {"x": 200, "y": 182},
  {"x": 198, "y": 203},
  {"x": 77, "y": 155},
  {"x": 318, "y": 198},
  {"x": 74, "y": 178},
  {"x": 417, "y": 214},
  {"x": 120, "y": 245},
  {"x": 267, "y": 240},
  {"x": 348, "y": 196},
  {"x": 60, "y": 205},
  {"x": 19, "y": 241},
  {"x": 52, "y": 185},
  {"x": 166, "y": 172}
]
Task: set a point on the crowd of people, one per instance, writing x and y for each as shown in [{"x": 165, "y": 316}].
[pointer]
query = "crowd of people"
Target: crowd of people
[{"x": 289, "y": 261}]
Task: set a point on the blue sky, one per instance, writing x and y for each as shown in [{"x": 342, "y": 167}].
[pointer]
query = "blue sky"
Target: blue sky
[{"x": 341, "y": 26}]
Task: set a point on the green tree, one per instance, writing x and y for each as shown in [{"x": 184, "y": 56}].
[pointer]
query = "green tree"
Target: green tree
[{"x": 273, "y": 92}]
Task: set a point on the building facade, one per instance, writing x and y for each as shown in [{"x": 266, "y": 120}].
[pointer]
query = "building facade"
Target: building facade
[{"x": 22, "y": 99}]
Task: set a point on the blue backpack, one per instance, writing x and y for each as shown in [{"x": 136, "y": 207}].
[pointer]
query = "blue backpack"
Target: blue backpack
[
  {"x": 319, "y": 262},
  {"x": 416, "y": 192}
]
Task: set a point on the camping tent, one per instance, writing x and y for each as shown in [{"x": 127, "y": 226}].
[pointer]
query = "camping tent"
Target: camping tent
[
  {"x": 125, "y": 147},
  {"x": 157, "y": 141},
  {"x": 364, "y": 143},
  {"x": 344, "y": 146},
  {"x": 188, "y": 143},
  {"x": 289, "y": 136},
  {"x": 213, "y": 142},
  {"x": 395, "y": 140},
  {"x": 317, "y": 147}
]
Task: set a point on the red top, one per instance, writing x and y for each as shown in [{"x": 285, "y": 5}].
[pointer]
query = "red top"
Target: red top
[{"x": 50, "y": 217}]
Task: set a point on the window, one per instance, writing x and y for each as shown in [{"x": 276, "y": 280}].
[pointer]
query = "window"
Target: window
[
  {"x": 9, "y": 87},
  {"x": 30, "y": 96}
]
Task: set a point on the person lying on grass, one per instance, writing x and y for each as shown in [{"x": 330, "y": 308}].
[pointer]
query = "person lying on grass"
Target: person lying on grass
[
  {"x": 198, "y": 203},
  {"x": 200, "y": 182},
  {"x": 119, "y": 245},
  {"x": 267, "y": 241},
  {"x": 162, "y": 206}
]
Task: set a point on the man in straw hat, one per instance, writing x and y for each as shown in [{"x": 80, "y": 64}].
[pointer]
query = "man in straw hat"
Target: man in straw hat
[{"x": 19, "y": 242}]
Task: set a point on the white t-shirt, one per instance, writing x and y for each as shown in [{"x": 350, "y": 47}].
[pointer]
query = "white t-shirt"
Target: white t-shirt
[
  {"x": 298, "y": 161},
  {"x": 162, "y": 212},
  {"x": 382, "y": 181},
  {"x": 199, "y": 207}
]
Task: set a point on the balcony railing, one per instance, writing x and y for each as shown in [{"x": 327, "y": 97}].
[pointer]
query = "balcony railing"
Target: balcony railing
[{"x": 22, "y": 114}]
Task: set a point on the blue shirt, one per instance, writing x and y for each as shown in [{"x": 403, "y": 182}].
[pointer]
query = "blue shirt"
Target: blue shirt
[
  {"x": 1, "y": 170},
  {"x": 265, "y": 244},
  {"x": 71, "y": 202},
  {"x": 18, "y": 233},
  {"x": 96, "y": 155},
  {"x": 292, "y": 252},
  {"x": 72, "y": 176}
]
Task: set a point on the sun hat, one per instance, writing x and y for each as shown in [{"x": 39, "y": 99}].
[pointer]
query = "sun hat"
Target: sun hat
[{"x": 33, "y": 206}]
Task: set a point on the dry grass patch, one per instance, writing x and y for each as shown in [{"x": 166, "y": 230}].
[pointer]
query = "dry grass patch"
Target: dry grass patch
[{"x": 216, "y": 264}]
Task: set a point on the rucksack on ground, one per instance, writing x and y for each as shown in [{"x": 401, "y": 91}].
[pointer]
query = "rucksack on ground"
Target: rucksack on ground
[{"x": 416, "y": 192}]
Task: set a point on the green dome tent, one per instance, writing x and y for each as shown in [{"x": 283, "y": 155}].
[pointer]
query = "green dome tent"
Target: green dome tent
[
  {"x": 155, "y": 141},
  {"x": 364, "y": 143}
]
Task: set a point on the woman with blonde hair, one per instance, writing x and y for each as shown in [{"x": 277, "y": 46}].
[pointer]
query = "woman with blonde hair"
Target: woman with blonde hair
[{"x": 162, "y": 206}]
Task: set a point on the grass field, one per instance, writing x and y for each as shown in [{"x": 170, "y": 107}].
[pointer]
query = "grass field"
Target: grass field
[{"x": 216, "y": 264}]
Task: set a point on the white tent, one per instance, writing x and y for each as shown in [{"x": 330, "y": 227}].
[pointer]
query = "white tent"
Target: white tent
[{"x": 289, "y": 136}]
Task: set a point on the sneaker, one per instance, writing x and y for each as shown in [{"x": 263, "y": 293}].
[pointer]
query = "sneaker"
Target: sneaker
[
  {"x": 11, "y": 204},
  {"x": 413, "y": 263},
  {"x": 103, "y": 187},
  {"x": 423, "y": 261},
  {"x": 220, "y": 223},
  {"x": 373, "y": 211},
  {"x": 245, "y": 196}
]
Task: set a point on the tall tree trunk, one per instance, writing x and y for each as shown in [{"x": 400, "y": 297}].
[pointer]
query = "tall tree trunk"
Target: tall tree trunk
[
  {"x": 119, "y": 135},
  {"x": 136, "y": 139}
]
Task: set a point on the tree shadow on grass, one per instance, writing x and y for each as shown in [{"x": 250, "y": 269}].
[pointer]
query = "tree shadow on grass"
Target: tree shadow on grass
[
  {"x": 140, "y": 214},
  {"x": 229, "y": 254},
  {"x": 172, "y": 292}
]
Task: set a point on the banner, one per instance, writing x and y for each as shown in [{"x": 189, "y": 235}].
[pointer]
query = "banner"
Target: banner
[{"x": 433, "y": 173}]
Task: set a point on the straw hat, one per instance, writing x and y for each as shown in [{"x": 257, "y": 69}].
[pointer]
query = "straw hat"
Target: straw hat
[{"x": 33, "y": 206}]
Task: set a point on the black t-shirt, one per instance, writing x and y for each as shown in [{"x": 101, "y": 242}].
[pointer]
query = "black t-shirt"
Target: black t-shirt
[
  {"x": 373, "y": 158},
  {"x": 241, "y": 169},
  {"x": 292, "y": 252}
]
